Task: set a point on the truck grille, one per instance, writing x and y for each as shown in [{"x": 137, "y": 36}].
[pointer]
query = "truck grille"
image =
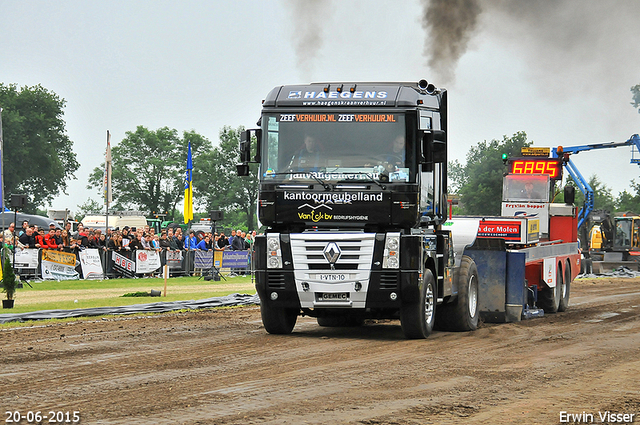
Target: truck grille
[{"x": 356, "y": 250}]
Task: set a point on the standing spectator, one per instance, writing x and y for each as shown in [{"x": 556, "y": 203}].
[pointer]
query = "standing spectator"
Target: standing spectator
[
  {"x": 115, "y": 243},
  {"x": 135, "y": 242},
  {"x": 8, "y": 233},
  {"x": 145, "y": 240},
  {"x": 40, "y": 243},
  {"x": 76, "y": 235},
  {"x": 238, "y": 243},
  {"x": 165, "y": 243},
  {"x": 126, "y": 238},
  {"x": 50, "y": 240},
  {"x": 82, "y": 238},
  {"x": 178, "y": 241},
  {"x": 191, "y": 242},
  {"x": 58, "y": 238},
  {"x": 205, "y": 244},
  {"x": 25, "y": 225},
  {"x": 222, "y": 241},
  {"x": 28, "y": 239}
]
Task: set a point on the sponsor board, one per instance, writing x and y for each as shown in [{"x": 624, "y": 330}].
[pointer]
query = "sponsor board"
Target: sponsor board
[
  {"x": 174, "y": 259},
  {"x": 235, "y": 259},
  {"x": 123, "y": 264},
  {"x": 26, "y": 258},
  {"x": 147, "y": 261},
  {"x": 57, "y": 265},
  {"x": 91, "y": 264},
  {"x": 510, "y": 231}
]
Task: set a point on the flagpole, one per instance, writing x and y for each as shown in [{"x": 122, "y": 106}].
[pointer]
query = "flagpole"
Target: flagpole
[
  {"x": 107, "y": 182},
  {"x": 2, "y": 173}
]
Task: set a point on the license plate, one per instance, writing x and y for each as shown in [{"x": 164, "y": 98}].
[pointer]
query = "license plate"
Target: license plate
[
  {"x": 337, "y": 296},
  {"x": 333, "y": 277}
]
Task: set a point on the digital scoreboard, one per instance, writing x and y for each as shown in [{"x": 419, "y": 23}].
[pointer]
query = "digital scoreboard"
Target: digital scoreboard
[{"x": 549, "y": 166}]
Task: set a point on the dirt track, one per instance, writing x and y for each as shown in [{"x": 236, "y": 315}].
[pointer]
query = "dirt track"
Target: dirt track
[{"x": 220, "y": 367}]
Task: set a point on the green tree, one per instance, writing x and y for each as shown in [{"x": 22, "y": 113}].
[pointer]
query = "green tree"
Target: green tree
[
  {"x": 148, "y": 169},
  {"x": 234, "y": 195},
  {"x": 603, "y": 199},
  {"x": 629, "y": 201},
  {"x": 479, "y": 181},
  {"x": 38, "y": 155},
  {"x": 89, "y": 206}
]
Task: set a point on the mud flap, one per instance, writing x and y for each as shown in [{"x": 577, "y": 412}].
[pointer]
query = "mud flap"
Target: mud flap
[{"x": 501, "y": 289}]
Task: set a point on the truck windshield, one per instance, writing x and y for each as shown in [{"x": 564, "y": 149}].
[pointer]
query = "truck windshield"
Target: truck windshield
[{"x": 336, "y": 146}]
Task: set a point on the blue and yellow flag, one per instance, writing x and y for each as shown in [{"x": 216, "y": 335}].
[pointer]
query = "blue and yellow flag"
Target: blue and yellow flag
[{"x": 188, "y": 189}]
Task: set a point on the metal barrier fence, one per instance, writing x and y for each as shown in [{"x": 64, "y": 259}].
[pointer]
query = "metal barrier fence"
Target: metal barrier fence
[{"x": 94, "y": 263}]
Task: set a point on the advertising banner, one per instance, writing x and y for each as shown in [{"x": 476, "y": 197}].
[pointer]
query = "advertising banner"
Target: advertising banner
[
  {"x": 174, "y": 259},
  {"x": 147, "y": 261},
  {"x": 57, "y": 265},
  {"x": 235, "y": 259},
  {"x": 123, "y": 264},
  {"x": 91, "y": 264},
  {"x": 508, "y": 230},
  {"x": 203, "y": 259},
  {"x": 26, "y": 258}
]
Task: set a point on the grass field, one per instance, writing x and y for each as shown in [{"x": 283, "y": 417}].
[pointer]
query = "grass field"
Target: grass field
[{"x": 72, "y": 294}]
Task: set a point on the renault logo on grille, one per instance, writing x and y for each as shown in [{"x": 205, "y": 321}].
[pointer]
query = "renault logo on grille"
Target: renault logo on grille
[{"x": 332, "y": 252}]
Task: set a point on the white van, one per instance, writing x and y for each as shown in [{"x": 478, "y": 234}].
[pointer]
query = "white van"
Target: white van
[{"x": 99, "y": 221}]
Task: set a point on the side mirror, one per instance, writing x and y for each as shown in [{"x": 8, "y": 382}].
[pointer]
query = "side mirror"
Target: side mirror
[
  {"x": 245, "y": 146},
  {"x": 242, "y": 170},
  {"x": 434, "y": 147}
]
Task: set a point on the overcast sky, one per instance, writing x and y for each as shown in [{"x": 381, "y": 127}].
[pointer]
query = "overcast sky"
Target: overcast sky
[{"x": 560, "y": 71}]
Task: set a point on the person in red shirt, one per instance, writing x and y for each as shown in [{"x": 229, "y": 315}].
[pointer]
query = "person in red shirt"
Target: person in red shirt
[
  {"x": 50, "y": 240},
  {"x": 40, "y": 243}
]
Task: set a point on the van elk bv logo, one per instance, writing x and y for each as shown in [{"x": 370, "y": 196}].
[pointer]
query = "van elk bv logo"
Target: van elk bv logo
[{"x": 317, "y": 201}]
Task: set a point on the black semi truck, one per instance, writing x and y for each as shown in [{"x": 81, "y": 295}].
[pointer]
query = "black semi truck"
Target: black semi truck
[{"x": 353, "y": 183}]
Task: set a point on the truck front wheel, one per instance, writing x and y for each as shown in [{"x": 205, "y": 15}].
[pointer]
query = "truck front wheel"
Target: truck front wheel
[
  {"x": 417, "y": 318},
  {"x": 462, "y": 314},
  {"x": 278, "y": 320}
]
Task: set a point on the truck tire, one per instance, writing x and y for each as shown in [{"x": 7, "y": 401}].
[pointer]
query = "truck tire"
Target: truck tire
[
  {"x": 462, "y": 314},
  {"x": 278, "y": 320},
  {"x": 417, "y": 317},
  {"x": 565, "y": 291},
  {"x": 549, "y": 298}
]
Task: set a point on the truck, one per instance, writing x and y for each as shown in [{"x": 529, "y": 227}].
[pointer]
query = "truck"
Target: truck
[{"x": 353, "y": 191}]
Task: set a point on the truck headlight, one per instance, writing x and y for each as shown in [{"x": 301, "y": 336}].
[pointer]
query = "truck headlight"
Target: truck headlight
[
  {"x": 391, "y": 256},
  {"x": 274, "y": 253}
]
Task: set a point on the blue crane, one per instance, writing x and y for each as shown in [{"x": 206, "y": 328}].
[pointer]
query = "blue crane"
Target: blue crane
[{"x": 565, "y": 153}]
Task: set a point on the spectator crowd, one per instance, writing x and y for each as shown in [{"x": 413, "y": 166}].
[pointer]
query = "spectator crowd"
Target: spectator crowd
[{"x": 125, "y": 239}]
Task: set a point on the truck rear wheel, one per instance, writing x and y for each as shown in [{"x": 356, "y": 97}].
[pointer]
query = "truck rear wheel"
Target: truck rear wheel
[
  {"x": 278, "y": 320},
  {"x": 462, "y": 314},
  {"x": 566, "y": 289},
  {"x": 417, "y": 318},
  {"x": 549, "y": 298}
]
